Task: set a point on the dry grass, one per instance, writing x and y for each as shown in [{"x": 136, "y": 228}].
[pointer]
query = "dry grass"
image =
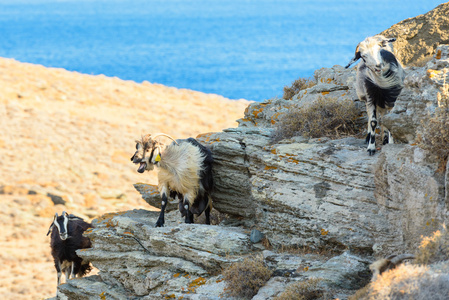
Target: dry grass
[
  {"x": 435, "y": 130},
  {"x": 324, "y": 118},
  {"x": 303, "y": 290},
  {"x": 413, "y": 281},
  {"x": 297, "y": 85},
  {"x": 245, "y": 278},
  {"x": 434, "y": 248},
  {"x": 406, "y": 282},
  {"x": 324, "y": 252}
]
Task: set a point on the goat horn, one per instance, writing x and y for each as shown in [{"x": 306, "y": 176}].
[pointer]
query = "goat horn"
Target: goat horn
[
  {"x": 398, "y": 259},
  {"x": 163, "y": 134}
]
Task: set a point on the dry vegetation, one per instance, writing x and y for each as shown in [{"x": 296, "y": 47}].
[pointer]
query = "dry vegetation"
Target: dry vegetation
[
  {"x": 435, "y": 131},
  {"x": 434, "y": 248},
  {"x": 245, "y": 278},
  {"x": 72, "y": 135},
  {"x": 303, "y": 290},
  {"x": 323, "y": 118},
  {"x": 415, "y": 281},
  {"x": 406, "y": 282},
  {"x": 297, "y": 85}
]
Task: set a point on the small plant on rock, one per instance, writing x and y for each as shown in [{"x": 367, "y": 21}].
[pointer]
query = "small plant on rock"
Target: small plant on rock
[
  {"x": 435, "y": 130},
  {"x": 245, "y": 278},
  {"x": 434, "y": 248},
  {"x": 297, "y": 85},
  {"x": 326, "y": 117},
  {"x": 303, "y": 290}
]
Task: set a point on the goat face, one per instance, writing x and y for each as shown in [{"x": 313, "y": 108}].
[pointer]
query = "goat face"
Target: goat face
[
  {"x": 371, "y": 51},
  {"x": 148, "y": 153},
  {"x": 60, "y": 222}
]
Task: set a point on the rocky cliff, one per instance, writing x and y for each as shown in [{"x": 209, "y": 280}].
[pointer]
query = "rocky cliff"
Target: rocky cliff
[{"x": 280, "y": 197}]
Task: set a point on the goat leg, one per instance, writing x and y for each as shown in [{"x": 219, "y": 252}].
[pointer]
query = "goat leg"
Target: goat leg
[
  {"x": 372, "y": 124},
  {"x": 58, "y": 270},
  {"x": 189, "y": 214},
  {"x": 207, "y": 213},
  {"x": 161, "y": 220}
]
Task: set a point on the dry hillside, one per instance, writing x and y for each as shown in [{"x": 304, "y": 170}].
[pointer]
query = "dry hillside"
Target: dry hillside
[{"x": 68, "y": 137}]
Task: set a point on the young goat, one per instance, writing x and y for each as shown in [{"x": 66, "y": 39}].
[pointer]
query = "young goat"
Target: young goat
[
  {"x": 65, "y": 241},
  {"x": 185, "y": 172},
  {"x": 379, "y": 81}
]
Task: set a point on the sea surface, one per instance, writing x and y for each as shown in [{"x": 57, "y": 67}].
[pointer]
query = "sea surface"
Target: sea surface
[{"x": 246, "y": 49}]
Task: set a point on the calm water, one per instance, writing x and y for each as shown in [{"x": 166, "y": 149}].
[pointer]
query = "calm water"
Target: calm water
[{"x": 237, "y": 48}]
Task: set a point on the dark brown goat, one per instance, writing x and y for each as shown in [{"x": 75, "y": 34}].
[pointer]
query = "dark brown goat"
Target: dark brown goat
[{"x": 65, "y": 241}]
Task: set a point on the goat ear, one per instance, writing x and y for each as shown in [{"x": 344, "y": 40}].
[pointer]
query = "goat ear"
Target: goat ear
[
  {"x": 388, "y": 40},
  {"x": 52, "y": 224},
  {"x": 49, "y": 229},
  {"x": 355, "y": 58}
]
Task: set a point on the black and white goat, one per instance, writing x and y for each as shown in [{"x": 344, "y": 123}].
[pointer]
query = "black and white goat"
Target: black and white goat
[
  {"x": 185, "y": 172},
  {"x": 65, "y": 240},
  {"x": 380, "y": 79}
]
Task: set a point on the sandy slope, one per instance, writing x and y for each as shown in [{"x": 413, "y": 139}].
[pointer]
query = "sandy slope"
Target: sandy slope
[{"x": 71, "y": 135}]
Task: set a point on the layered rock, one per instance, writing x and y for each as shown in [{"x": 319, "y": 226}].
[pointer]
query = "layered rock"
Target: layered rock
[
  {"x": 319, "y": 193},
  {"x": 138, "y": 261},
  {"x": 418, "y": 37}
]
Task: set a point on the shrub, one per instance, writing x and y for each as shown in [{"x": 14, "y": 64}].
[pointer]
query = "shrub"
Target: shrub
[
  {"x": 414, "y": 281},
  {"x": 245, "y": 278},
  {"x": 297, "y": 85},
  {"x": 435, "y": 131},
  {"x": 303, "y": 290},
  {"x": 434, "y": 248},
  {"x": 323, "y": 118},
  {"x": 406, "y": 282}
]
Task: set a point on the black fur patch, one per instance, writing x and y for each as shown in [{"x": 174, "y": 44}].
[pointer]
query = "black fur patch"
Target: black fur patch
[
  {"x": 388, "y": 57},
  {"x": 202, "y": 199},
  {"x": 206, "y": 174},
  {"x": 382, "y": 97}
]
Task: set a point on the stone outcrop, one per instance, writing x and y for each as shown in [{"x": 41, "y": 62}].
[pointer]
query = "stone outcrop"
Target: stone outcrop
[
  {"x": 418, "y": 37},
  {"x": 316, "y": 193},
  {"x": 138, "y": 261},
  {"x": 322, "y": 192}
]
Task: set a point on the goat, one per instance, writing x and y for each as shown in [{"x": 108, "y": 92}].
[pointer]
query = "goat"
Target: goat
[
  {"x": 379, "y": 81},
  {"x": 185, "y": 172},
  {"x": 65, "y": 241},
  {"x": 385, "y": 264}
]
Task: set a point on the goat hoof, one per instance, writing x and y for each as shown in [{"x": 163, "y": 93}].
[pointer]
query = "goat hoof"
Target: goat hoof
[
  {"x": 371, "y": 152},
  {"x": 159, "y": 223}
]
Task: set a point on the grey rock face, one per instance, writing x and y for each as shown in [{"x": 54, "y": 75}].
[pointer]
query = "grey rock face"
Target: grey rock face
[
  {"x": 140, "y": 259},
  {"x": 319, "y": 193}
]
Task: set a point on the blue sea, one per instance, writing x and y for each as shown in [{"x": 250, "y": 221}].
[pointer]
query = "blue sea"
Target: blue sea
[{"x": 245, "y": 49}]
